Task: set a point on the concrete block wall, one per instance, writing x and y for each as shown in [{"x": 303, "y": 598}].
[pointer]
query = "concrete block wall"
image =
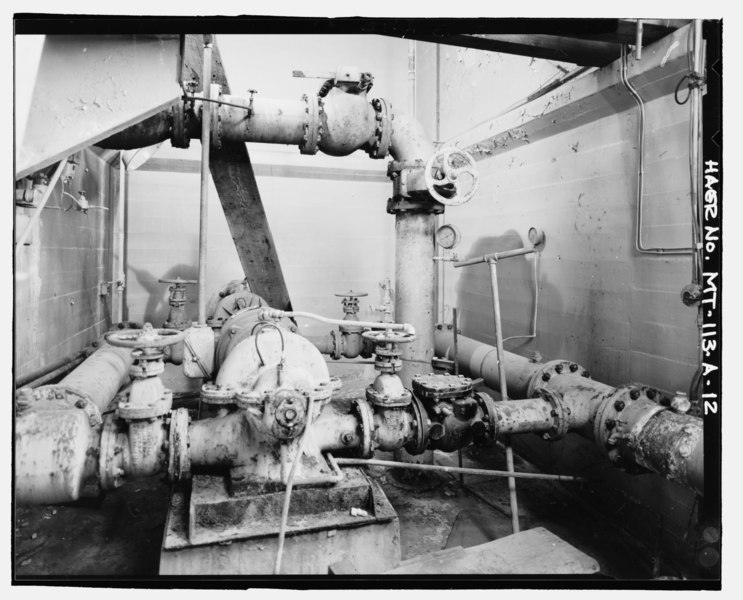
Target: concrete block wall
[
  {"x": 58, "y": 310},
  {"x": 601, "y": 303}
]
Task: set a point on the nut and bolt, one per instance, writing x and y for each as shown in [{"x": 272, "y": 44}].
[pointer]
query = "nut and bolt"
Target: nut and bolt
[
  {"x": 586, "y": 374},
  {"x": 651, "y": 393},
  {"x": 610, "y": 423},
  {"x": 573, "y": 368},
  {"x": 619, "y": 406},
  {"x": 347, "y": 438},
  {"x": 634, "y": 394},
  {"x": 558, "y": 369},
  {"x": 546, "y": 377}
]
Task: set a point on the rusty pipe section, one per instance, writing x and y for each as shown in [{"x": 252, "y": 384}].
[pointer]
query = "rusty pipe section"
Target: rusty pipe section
[
  {"x": 58, "y": 429},
  {"x": 630, "y": 423}
]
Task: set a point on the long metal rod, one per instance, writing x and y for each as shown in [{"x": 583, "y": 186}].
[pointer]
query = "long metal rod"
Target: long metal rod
[
  {"x": 495, "y": 256},
  {"x": 503, "y": 390},
  {"x": 206, "y": 84},
  {"x": 466, "y": 470},
  {"x": 37, "y": 214}
]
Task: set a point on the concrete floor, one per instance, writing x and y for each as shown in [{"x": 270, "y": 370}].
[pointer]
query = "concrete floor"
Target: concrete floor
[{"x": 120, "y": 535}]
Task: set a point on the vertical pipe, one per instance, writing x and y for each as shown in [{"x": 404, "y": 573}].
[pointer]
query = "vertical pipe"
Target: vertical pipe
[
  {"x": 206, "y": 84},
  {"x": 118, "y": 274},
  {"x": 503, "y": 390},
  {"x": 416, "y": 289}
]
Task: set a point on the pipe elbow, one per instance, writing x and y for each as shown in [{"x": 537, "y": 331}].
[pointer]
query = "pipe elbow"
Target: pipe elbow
[{"x": 409, "y": 141}]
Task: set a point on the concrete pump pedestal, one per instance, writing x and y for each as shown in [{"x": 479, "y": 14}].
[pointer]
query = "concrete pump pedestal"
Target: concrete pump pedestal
[{"x": 215, "y": 529}]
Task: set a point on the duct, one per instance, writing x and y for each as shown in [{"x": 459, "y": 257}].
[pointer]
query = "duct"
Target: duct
[{"x": 630, "y": 423}]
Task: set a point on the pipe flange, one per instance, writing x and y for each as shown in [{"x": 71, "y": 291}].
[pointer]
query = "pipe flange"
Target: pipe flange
[
  {"x": 560, "y": 414},
  {"x": 366, "y": 424},
  {"x": 337, "y": 353},
  {"x": 623, "y": 414},
  {"x": 421, "y": 426},
  {"x": 214, "y": 393},
  {"x": 146, "y": 365},
  {"x": 179, "y": 456},
  {"x": 110, "y": 461},
  {"x": 312, "y": 125},
  {"x": 383, "y": 400},
  {"x": 179, "y": 136},
  {"x": 135, "y": 412},
  {"x": 249, "y": 400},
  {"x": 490, "y": 418},
  {"x": 383, "y": 130},
  {"x": 549, "y": 370},
  {"x": 324, "y": 390}
]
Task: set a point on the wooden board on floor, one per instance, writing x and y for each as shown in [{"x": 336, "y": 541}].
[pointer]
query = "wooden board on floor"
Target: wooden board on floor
[{"x": 531, "y": 552}]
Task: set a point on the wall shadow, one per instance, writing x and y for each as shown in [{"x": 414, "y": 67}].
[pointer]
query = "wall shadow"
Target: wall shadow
[
  {"x": 157, "y": 309},
  {"x": 474, "y": 299}
]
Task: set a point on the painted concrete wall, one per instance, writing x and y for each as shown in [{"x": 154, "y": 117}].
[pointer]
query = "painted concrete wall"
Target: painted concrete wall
[
  {"x": 332, "y": 234},
  {"x": 601, "y": 304},
  {"x": 57, "y": 307}
]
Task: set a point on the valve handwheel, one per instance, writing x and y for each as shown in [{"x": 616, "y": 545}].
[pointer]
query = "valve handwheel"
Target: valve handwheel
[
  {"x": 147, "y": 337},
  {"x": 451, "y": 176},
  {"x": 388, "y": 336},
  {"x": 352, "y": 294}
]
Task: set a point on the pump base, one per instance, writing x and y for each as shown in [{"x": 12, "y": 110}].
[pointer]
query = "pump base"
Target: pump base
[{"x": 207, "y": 534}]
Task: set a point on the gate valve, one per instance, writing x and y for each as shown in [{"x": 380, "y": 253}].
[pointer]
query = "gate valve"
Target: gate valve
[
  {"x": 451, "y": 176},
  {"x": 177, "y": 317},
  {"x": 386, "y": 348},
  {"x": 148, "y": 398},
  {"x": 146, "y": 344},
  {"x": 350, "y": 304}
]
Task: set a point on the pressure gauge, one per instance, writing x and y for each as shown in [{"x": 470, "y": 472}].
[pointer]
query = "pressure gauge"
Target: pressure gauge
[
  {"x": 536, "y": 237},
  {"x": 448, "y": 236}
]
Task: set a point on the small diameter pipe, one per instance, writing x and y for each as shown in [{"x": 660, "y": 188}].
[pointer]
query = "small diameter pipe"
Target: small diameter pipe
[
  {"x": 206, "y": 84},
  {"x": 271, "y": 313},
  {"x": 290, "y": 484},
  {"x": 466, "y": 470},
  {"x": 641, "y": 169},
  {"x": 503, "y": 391},
  {"x": 37, "y": 214},
  {"x": 495, "y": 256}
]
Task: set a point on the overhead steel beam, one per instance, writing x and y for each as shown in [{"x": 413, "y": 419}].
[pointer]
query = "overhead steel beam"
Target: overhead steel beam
[
  {"x": 550, "y": 47},
  {"x": 89, "y": 87},
  {"x": 237, "y": 188}
]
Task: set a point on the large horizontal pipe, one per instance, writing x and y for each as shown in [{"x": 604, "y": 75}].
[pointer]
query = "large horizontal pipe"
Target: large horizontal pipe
[
  {"x": 348, "y": 123},
  {"x": 627, "y": 423},
  {"x": 57, "y": 433},
  {"x": 101, "y": 375}
]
